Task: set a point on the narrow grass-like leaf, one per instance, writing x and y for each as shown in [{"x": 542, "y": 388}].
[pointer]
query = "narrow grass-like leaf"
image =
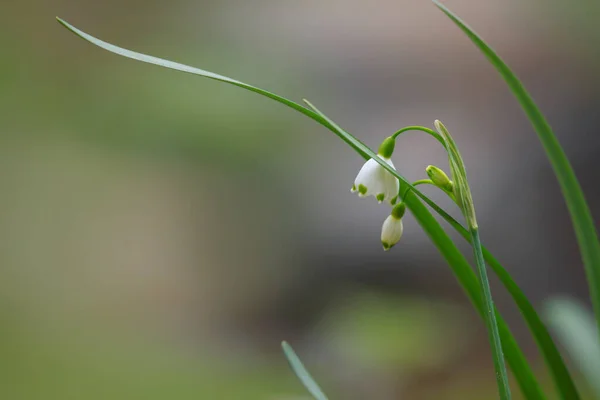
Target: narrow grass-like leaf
[
  {"x": 577, "y": 331},
  {"x": 560, "y": 374},
  {"x": 458, "y": 263},
  {"x": 197, "y": 71},
  {"x": 465, "y": 201},
  {"x": 490, "y": 317},
  {"x": 353, "y": 142},
  {"x": 581, "y": 216},
  {"x": 468, "y": 280},
  {"x": 301, "y": 372}
]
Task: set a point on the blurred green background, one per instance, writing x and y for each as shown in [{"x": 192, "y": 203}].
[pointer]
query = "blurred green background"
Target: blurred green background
[{"x": 161, "y": 233}]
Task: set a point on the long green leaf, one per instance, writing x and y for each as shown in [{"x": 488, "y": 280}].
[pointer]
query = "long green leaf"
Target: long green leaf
[
  {"x": 560, "y": 374},
  {"x": 463, "y": 197},
  {"x": 301, "y": 372},
  {"x": 581, "y": 216},
  {"x": 460, "y": 266},
  {"x": 468, "y": 280},
  {"x": 353, "y": 142},
  {"x": 197, "y": 71},
  {"x": 576, "y": 329}
]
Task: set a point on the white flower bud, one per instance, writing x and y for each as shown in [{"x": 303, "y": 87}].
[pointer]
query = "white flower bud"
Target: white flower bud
[
  {"x": 439, "y": 178},
  {"x": 392, "y": 228}
]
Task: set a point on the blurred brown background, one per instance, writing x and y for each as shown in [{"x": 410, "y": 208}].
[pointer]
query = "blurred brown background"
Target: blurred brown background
[{"x": 162, "y": 233}]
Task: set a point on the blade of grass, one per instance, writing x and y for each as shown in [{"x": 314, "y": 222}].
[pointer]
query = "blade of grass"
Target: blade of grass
[
  {"x": 463, "y": 197},
  {"x": 555, "y": 362},
  {"x": 467, "y": 278},
  {"x": 581, "y": 216},
  {"x": 301, "y": 372},
  {"x": 490, "y": 317},
  {"x": 353, "y": 142},
  {"x": 197, "y": 71},
  {"x": 577, "y": 331},
  {"x": 469, "y": 282}
]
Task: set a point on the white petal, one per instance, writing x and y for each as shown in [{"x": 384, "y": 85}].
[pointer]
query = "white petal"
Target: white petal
[
  {"x": 368, "y": 176},
  {"x": 391, "y": 183}
]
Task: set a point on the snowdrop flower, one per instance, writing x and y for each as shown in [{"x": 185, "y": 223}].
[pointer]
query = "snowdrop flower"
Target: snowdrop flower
[
  {"x": 392, "y": 228},
  {"x": 373, "y": 179}
]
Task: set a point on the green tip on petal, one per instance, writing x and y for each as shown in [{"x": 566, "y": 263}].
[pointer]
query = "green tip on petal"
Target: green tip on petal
[
  {"x": 362, "y": 189},
  {"x": 387, "y": 147},
  {"x": 386, "y": 246},
  {"x": 380, "y": 197},
  {"x": 394, "y": 200},
  {"x": 353, "y": 189}
]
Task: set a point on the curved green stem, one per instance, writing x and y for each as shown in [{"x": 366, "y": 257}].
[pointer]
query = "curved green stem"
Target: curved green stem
[
  {"x": 423, "y": 182},
  {"x": 422, "y": 129},
  {"x": 416, "y": 183},
  {"x": 427, "y": 182}
]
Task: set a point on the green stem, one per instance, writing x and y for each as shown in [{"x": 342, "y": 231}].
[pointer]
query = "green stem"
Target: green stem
[
  {"x": 422, "y": 129},
  {"x": 423, "y": 182},
  {"x": 468, "y": 279},
  {"x": 490, "y": 318},
  {"x": 554, "y": 360},
  {"x": 428, "y": 182},
  {"x": 488, "y": 312}
]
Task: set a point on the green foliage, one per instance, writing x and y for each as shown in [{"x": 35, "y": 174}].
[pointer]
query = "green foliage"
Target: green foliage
[
  {"x": 464, "y": 274},
  {"x": 576, "y": 203},
  {"x": 576, "y": 329},
  {"x": 462, "y": 193},
  {"x": 558, "y": 369},
  {"x": 301, "y": 372}
]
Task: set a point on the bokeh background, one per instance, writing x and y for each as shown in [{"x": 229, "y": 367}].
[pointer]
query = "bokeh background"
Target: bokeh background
[{"x": 162, "y": 233}]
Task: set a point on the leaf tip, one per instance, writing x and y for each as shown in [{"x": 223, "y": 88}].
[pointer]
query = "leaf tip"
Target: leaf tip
[
  {"x": 63, "y": 22},
  {"x": 439, "y": 5},
  {"x": 287, "y": 349}
]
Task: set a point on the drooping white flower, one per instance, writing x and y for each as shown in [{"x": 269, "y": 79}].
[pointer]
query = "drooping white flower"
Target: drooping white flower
[
  {"x": 374, "y": 180},
  {"x": 392, "y": 228}
]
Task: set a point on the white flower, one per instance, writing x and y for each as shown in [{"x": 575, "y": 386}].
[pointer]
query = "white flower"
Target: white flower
[
  {"x": 392, "y": 228},
  {"x": 373, "y": 179},
  {"x": 391, "y": 232}
]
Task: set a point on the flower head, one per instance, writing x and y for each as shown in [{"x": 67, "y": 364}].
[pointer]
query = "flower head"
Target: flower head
[
  {"x": 373, "y": 179},
  {"x": 392, "y": 228}
]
